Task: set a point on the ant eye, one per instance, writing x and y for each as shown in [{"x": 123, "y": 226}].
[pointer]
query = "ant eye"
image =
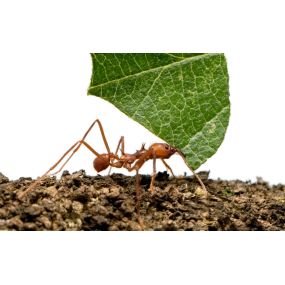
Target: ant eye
[{"x": 167, "y": 147}]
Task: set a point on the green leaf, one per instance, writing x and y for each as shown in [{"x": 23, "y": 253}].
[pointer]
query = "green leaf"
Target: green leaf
[{"x": 182, "y": 98}]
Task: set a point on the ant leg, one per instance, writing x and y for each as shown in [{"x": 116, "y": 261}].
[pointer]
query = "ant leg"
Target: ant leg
[
  {"x": 153, "y": 173},
  {"x": 75, "y": 148},
  {"x": 122, "y": 143},
  {"x": 138, "y": 198},
  {"x": 85, "y": 144},
  {"x": 167, "y": 167},
  {"x": 102, "y": 134},
  {"x": 196, "y": 175},
  {"x": 82, "y": 140},
  {"x": 79, "y": 145},
  {"x": 139, "y": 163},
  {"x": 31, "y": 187}
]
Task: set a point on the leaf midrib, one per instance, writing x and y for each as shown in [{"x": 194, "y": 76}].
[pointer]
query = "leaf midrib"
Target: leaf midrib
[{"x": 192, "y": 58}]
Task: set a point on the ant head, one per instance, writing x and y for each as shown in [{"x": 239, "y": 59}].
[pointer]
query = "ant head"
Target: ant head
[
  {"x": 163, "y": 150},
  {"x": 170, "y": 149}
]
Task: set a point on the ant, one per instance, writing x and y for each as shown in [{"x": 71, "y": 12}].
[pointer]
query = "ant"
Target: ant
[{"x": 131, "y": 162}]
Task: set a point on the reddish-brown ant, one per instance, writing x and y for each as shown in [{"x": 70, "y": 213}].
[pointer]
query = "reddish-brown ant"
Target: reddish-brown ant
[{"x": 129, "y": 161}]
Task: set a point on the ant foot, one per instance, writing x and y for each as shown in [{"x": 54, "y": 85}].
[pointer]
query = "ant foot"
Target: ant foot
[{"x": 151, "y": 189}]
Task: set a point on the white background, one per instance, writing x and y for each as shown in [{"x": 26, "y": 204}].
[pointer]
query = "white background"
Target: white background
[{"x": 45, "y": 70}]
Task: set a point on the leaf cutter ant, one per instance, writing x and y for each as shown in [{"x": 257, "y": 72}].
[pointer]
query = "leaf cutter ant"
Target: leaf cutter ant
[{"x": 131, "y": 162}]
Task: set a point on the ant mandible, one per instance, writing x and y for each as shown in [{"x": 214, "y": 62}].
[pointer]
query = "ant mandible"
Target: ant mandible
[{"x": 131, "y": 162}]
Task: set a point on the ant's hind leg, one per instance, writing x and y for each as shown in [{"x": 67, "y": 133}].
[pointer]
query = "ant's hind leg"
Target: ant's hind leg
[
  {"x": 33, "y": 185},
  {"x": 75, "y": 148},
  {"x": 79, "y": 143}
]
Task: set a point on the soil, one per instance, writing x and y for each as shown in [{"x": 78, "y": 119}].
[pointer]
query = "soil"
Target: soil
[{"x": 81, "y": 202}]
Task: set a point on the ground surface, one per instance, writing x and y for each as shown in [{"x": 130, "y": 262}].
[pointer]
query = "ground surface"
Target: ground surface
[{"x": 80, "y": 202}]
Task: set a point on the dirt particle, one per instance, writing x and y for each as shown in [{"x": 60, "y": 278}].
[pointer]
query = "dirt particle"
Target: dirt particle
[
  {"x": 188, "y": 195},
  {"x": 30, "y": 226},
  {"x": 128, "y": 206},
  {"x": 3, "y": 178},
  {"x": 201, "y": 193},
  {"x": 3, "y": 213},
  {"x": 239, "y": 189},
  {"x": 105, "y": 191},
  {"x": 66, "y": 203},
  {"x": 77, "y": 207},
  {"x": 16, "y": 223},
  {"x": 49, "y": 204},
  {"x": 114, "y": 192},
  {"x": 51, "y": 191},
  {"x": 45, "y": 221},
  {"x": 33, "y": 210}
]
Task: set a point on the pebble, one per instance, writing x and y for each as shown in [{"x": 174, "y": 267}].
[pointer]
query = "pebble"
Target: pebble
[
  {"x": 78, "y": 174},
  {"x": 79, "y": 222},
  {"x": 115, "y": 192},
  {"x": 30, "y": 226},
  {"x": 239, "y": 189},
  {"x": 128, "y": 207},
  {"x": 45, "y": 221},
  {"x": 77, "y": 207},
  {"x": 101, "y": 210},
  {"x": 70, "y": 224},
  {"x": 201, "y": 193},
  {"x": 49, "y": 204},
  {"x": 3, "y": 178},
  {"x": 2, "y": 224},
  {"x": 188, "y": 195},
  {"x": 34, "y": 210},
  {"x": 67, "y": 203},
  {"x": 3, "y": 213},
  {"x": 51, "y": 191},
  {"x": 16, "y": 221},
  {"x": 105, "y": 190}
]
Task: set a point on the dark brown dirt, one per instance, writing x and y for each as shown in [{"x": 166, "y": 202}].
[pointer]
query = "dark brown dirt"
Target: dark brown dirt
[{"x": 80, "y": 202}]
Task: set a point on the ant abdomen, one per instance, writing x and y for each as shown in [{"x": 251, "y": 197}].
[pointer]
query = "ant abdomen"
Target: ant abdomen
[{"x": 101, "y": 163}]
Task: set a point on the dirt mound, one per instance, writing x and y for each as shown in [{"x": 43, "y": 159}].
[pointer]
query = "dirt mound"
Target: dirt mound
[{"x": 81, "y": 202}]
